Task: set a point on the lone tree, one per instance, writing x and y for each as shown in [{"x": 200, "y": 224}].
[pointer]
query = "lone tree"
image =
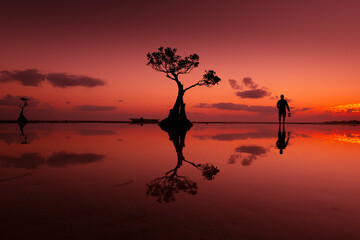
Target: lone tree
[
  {"x": 22, "y": 119},
  {"x": 167, "y": 61}
]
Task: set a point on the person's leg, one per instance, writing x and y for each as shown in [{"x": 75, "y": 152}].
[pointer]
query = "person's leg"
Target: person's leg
[
  {"x": 284, "y": 115},
  {"x": 279, "y": 118}
]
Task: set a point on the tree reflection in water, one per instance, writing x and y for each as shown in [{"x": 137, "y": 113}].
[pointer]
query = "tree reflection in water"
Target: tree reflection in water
[
  {"x": 22, "y": 134},
  {"x": 164, "y": 188}
]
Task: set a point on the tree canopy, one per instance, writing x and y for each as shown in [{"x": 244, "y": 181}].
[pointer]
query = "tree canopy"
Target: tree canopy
[{"x": 166, "y": 60}]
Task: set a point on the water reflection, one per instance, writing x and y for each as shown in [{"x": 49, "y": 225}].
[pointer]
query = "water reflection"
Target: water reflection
[
  {"x": 22, "y": 134},
  {"x": 282, "y": 142},
  {"x": 251, "y": 152},
  {"x": 258, "y": 133},
  {"x": 30, "y": 160},
  {"x": 165, "y": 187},
  {"x": 51, "y": 181},
  {"x": 33, "y": 160},
  {"x": 95, "y": 132}
]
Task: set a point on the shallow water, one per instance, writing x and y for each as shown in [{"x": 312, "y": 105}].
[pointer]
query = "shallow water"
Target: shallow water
[{"x": 109, "y": 181}]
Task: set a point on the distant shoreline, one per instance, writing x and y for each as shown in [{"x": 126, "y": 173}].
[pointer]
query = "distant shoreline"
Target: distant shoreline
[{"x": 353, "y": 123}]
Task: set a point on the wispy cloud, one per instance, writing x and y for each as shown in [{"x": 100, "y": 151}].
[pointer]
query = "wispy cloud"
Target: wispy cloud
[
  {"x": 63, "y": 80},
  {"x": 248, "y": 82},
  {"x": 304, "y": 109},
  {"x": 234, "y": 84},
  {"x": 238, "y": 107},
  {"x": 256, "y": 93},
  {"x": 32, "y": 77},
  {"x": 253, "y": 91},
  {"x": 10, "y": 100},
  {"x": 348, "y": 108}
]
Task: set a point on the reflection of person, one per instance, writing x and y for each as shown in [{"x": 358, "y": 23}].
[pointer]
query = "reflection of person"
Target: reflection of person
[
  {"x": 281, "y": 143},
  {"x": 282, "y": 105}
]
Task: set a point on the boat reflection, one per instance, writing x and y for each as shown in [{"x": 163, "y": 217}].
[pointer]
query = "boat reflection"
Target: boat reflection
[{"x": 165, "y": 187}]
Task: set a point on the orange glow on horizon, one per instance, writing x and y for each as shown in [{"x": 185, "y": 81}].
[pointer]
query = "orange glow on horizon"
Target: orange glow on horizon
[{"x": 353, "y": 108}]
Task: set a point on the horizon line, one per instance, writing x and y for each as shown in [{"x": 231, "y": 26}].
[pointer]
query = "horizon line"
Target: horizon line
[{"x": 194, "y": 122}]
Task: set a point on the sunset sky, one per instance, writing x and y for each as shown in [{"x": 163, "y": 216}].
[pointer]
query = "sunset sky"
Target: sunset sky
[{"x": 86, "y": 60}]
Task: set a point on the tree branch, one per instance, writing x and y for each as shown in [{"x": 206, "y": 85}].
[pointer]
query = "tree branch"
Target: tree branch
[
  {"x": 168, "y": 76},
  {"x": 192, "y": 163},
  {"x": 196, "y": 84}
]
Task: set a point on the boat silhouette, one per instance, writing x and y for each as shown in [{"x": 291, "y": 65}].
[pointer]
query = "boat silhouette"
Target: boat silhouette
[{"x": 143, "y": 120}]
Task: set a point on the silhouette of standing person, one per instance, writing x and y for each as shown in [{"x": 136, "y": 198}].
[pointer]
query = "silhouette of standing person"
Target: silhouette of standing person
[
  {"x": 281, "y": 143},
  {"x": 282, "y": 105}
]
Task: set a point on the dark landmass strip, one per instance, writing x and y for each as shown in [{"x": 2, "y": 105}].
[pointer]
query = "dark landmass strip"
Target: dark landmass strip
[{"x": 353, "y": 122}]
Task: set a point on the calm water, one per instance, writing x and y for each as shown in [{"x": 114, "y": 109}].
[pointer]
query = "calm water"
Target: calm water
[{"x": 119, "y": 181}]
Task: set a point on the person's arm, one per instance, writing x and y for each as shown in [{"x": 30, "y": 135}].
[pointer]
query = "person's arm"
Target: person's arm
[
  {"x": 278, "y": 104},
  {"x": 287, "y": 106},
  {"x": 287, "y": 141}
]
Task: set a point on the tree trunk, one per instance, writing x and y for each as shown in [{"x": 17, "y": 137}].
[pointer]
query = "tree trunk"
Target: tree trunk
[
  {"x": 177, "y": 115},
  {"x": 22, "y": 118}
]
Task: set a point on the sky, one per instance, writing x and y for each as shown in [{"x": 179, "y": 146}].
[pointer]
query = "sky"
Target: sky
[{"x": 86, "y": 60}]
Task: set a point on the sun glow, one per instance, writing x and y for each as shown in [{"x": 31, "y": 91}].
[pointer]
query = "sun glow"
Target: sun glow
[{"x": 350, "y": 108}]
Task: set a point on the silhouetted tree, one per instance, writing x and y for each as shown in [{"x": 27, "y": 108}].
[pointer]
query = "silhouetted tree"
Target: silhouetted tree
[
  {"x": 167, "y": 61},
  {"x": 22, "y": 118}
]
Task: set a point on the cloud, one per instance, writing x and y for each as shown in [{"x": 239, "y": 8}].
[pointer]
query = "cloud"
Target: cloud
[
  {"x": 255, "y": 93},
  {"x": 120, "y": 100},
  {"x": 30, "y": 77},
  {"x": 234, "y": 84},
  {"x": 63, "y": 80},
  {"x": 248, "y": 82},
  {"x": 253, "y": 89},
  {"x": 238, "y": 107},
  {"x": 302, "y": 109},
  {"x": 348, "y": 108},
  {"x": 10, "y": 100},
  {"x": 62, "y": 159},
  {"x": 95, "y": 108}
]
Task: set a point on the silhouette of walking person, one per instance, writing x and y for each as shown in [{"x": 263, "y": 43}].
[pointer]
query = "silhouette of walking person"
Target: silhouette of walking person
[
  {"x": 281, "y": 143},
  {"x": 282, "y": 105}
]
